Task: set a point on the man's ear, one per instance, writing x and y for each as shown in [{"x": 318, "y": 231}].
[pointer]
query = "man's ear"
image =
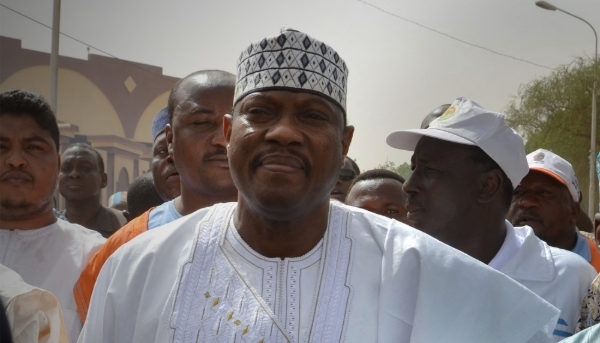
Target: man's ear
[
  {"x": 575, "y": 210},
  {"x": 103, "y": 180},
  {"x": 490, "y": 185},
  {"x": 227, "y": 119},
  {"x": 346, "y": 140}
]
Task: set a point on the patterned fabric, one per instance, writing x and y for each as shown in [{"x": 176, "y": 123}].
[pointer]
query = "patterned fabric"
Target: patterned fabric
[
  {"x": 161, "y": 119},
  {"x": 292, "y": 60},
  {"x": 590, "y": 307},
  {"x": 213, "y": 299}
]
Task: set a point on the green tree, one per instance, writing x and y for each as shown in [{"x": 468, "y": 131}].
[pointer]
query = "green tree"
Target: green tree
[
  {"x": 554, "y": 113},
  {"x": 402, "y": 170}
]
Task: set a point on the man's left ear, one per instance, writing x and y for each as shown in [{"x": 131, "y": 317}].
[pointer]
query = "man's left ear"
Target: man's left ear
[
  {"x": 575, "y": 210},
  {"x": 490, "y": 185},
  {"x": 346, "y": 140},
  {"x": 104, "y": 180}
]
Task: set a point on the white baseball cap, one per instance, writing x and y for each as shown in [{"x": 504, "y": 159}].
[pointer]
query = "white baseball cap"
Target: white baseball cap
[
  {"x": 466, "y": 122},
  {"x": 555, "y": 166}
]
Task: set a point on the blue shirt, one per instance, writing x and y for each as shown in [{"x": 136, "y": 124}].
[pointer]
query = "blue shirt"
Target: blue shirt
[
  {"x": 582, "y": 248},
  {"x": 163, "y": 214}
]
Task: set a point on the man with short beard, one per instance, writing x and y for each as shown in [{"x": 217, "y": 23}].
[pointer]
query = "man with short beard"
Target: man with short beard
[
  {"x": 196, "y": 146},
  {"x": 46, "y": 252},
  {"x": 286, "y": 264}
]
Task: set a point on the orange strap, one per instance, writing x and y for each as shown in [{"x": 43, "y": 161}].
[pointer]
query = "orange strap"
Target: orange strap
[
  {"x": 595, "y": 261},
  {"x": 85, "y": 285}
]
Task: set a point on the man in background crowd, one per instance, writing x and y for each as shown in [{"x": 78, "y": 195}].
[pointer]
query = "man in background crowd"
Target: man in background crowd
[
  {"x": 46, "y": 252},
  {"x": 142, "y": 196},
  {"x": 547, "y": 200},
  {"x": 80, "y": 181},
  {"x": 165, "y": 175},
  {"x": 379, "y": 191},
  {"x": 197, "y": 147},
  {"x": 348, "y": 172},
  {"x": 464, "y": 167}
]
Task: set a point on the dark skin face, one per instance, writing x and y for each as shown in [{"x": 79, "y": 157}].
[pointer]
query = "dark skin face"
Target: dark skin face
[
  {"x": 381, "y": 196},
  {"x": 341, "y": 186},
  {"x": 196, "y": 142},
  {"x": 286, "y": 150},
  {"x": 450, "y": 198},
  {"x": 543, "y": 203},
  {"x": 29, "y": 166},
  {"x": 166, "y": 177},
  {"x": 79, "y": 177}
]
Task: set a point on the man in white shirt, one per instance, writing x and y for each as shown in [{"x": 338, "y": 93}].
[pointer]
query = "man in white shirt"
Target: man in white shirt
[
  {"x": 465, "y": 165},
  {"x": 286, "y": 264},
  {"x": 46, "y": 252}
]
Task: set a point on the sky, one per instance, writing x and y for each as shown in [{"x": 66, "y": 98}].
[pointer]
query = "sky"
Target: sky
[{"x": 402, "y": 65}]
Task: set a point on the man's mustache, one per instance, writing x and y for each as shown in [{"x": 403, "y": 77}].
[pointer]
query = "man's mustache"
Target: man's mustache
[
  {"x": 217, "y": 152},
  {"x": 256, "y": 161}
]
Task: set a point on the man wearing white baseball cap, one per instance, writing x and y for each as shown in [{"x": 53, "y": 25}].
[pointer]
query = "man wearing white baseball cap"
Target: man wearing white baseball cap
[
  {"x": 547, "y": 199},
  {"x": 464, "y": 167}
]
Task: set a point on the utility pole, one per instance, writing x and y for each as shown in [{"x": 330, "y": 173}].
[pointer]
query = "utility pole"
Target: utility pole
[{"x": 54, "y": 56}]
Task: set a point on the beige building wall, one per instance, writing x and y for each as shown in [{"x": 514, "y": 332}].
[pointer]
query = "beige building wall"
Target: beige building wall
[
  {"x": 143, "y": 131},
  {"x": 80, "y": 102}
]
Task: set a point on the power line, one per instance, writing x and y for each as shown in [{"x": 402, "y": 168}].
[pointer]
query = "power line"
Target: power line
[
  {"x": 79, "y": 41},
  {"x": 455, "y": 38}
]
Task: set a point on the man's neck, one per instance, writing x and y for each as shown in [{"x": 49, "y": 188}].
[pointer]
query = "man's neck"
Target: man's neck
[
  {"x": 189, "y": 201},
  {"x": 567, "y": 240},
  {"x": 292, "y": 237},
  {"x": 46, "y": 218},
  {"x": 82, "y": 212},
  {"x": 484, "y": 241}
]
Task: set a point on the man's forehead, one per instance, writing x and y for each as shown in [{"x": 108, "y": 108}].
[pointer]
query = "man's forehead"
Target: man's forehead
[
  {"x": 28, "y": 129},
  {"x": 284, "y": 96},
  {"x": 437, "y": 149},
  {"x": 78, "y": 153},
  {"x": 536, "y": 178}
]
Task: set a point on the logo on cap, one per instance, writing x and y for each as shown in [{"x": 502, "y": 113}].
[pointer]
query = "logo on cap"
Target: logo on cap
[
  {"x": 448, "y": 113},
  {"x": 539, "y": 157}
]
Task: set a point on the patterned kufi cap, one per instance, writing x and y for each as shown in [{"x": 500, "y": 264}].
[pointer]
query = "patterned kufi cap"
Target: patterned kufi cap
[{"x": 293, "y": 60}]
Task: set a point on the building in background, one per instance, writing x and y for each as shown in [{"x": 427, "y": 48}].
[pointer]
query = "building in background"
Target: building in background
[{"x": 106, "y": 102}]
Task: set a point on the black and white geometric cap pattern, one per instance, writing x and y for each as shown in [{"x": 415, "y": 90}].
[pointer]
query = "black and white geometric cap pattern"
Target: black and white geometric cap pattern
[{"x": 292, "y": 60}]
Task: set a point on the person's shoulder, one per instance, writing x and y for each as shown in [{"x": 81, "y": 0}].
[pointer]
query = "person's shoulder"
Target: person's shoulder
[
  {"x": 117, "y": 214},
  {"x": 79, "y": 232},
  {"x": 173, "y": 235},
  {"x": 380, "y": 228},
  {"x": 568, "y": 262}
]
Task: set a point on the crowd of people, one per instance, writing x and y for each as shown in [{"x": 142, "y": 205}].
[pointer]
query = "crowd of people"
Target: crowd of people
[{"x": 253, "y": 224}]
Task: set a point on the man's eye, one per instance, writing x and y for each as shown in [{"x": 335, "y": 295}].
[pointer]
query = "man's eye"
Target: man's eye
[
  {"x": 391, "y": 211},
  {"x": 315, "y": 116},
  {"x": 34, "y": 147}
]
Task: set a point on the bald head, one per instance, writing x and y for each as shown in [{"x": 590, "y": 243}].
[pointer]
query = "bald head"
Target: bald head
[
  {"x": 433, "y": 115},
  {"x": 197, "y": 80}
]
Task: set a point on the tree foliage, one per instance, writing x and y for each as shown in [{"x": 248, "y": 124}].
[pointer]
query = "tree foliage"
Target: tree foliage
[
  {"x": 402, "y": 170},
  {"x": 554, "y": 113}
]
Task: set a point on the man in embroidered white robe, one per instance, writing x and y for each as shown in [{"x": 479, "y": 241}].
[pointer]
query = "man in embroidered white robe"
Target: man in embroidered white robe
[{"x": 286, "y": 265}]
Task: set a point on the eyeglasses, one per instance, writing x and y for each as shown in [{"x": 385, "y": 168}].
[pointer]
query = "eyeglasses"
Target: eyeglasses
[{"x": 347, "y": 174}]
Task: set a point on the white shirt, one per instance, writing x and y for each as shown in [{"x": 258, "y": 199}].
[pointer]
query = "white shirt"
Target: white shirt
[
  {"x": 52, "y": 258},
  {"x": 371, "y": 279},
  {"x": 559, "y": 276}
]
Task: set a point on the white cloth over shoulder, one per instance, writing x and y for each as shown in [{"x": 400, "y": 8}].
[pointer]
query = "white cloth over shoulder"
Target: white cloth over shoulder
[
  {"x": 557, "y": 275},
  {"x": 371, "y": 279},
  {"x": 52, "y": 258},
  {"x": 33, "y": 314}
]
